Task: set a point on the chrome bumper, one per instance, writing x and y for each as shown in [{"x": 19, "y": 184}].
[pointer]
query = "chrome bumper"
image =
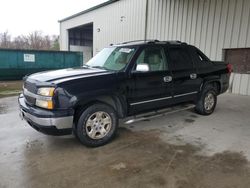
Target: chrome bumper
[
  {"x": 59, "y": 123},
  {"x": 48, "y": 122}
]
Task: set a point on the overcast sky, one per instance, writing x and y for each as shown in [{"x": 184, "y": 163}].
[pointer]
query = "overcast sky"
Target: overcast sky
[{"x": 24, "y": 16}]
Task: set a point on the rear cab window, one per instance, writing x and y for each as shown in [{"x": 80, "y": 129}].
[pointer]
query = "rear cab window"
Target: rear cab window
[{"x": 199, "y": 58}]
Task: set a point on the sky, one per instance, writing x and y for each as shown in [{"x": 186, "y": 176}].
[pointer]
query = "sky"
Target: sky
[{"x": 20, "y": 17}]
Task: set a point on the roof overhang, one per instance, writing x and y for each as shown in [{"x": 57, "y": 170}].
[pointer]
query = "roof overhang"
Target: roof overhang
[{"x": 88, "y": 10}]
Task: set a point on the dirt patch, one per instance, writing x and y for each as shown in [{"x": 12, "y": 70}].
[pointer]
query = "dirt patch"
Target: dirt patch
[
  {"x": 189, "y": 120},
  {"x": 133, "y": 159},
  {"x": 10, "y": 88},
  {"x": 193, "y": 116}
]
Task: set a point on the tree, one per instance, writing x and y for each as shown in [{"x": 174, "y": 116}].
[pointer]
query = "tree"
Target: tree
[
  {"x": 5, "y": 40},
  {"x": 34, "y": 41},
  {"x": 55, "y": 43},
  {"x": 20, "y": 42}
]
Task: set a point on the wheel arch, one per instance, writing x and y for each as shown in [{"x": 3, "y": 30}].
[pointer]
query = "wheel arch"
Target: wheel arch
[
  {"x": 117, "y": 103},
  {"x": 214, "y": 82}
]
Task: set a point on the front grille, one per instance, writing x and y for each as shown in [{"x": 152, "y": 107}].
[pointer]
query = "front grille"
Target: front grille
[{"x": 31, "y": 87}]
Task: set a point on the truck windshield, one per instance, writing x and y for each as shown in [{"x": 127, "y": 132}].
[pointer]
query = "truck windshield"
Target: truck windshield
[{"x": 112, "y": 58}]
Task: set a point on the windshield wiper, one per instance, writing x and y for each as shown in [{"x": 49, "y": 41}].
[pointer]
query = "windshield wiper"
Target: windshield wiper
[
  {"x": 86, "y": 66},
  {"x": 99, "y": 67}
]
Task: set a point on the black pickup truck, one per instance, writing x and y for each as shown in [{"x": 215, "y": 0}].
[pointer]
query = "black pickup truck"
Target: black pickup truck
[{"x": 120, "y": 81}]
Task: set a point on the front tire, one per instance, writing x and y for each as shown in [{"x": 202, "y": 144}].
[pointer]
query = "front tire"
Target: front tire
[
  {"x": 207, "y": 101},
  {"x": 97, "y": 125}
]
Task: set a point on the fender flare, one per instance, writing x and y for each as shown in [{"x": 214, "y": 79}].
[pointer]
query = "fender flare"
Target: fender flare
[
  {"x": 209, "y": 81},
  {"x": 117, "y": 102}
]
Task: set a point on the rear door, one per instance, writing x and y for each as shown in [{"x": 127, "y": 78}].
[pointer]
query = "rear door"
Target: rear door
[
  {"x": 185, "y": 82},
  {"x": 152, "y": 89}
]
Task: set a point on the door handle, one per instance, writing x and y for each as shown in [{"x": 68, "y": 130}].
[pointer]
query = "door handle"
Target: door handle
[
  {"x": 167, "y": 78},
  {"x": 193, "y": 76}
]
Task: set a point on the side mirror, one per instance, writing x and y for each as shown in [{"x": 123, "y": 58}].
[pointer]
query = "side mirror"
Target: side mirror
[{"x": 143, "y": 67}]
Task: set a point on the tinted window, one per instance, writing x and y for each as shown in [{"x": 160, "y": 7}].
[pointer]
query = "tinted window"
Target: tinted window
[
  {"x": 200, "y": 59},
  {"x": 180, "y": 59},
  {"x": 154, "y": 57}
]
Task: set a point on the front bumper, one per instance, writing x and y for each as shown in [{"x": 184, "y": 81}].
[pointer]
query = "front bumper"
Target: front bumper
[{"x": 46, "y": 121}]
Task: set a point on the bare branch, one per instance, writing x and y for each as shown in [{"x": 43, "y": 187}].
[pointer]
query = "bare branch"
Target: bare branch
[{"x": 35, "y": 41}]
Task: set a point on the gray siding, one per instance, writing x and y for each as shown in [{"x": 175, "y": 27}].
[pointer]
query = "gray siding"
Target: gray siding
[
  {"x": 211, "y": 25},
  {"x": 240, "y": 84},
  {"x": 108, "y": 19}
]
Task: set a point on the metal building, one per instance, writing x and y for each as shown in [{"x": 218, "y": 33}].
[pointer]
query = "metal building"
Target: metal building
[{"x": 220, "y": 28}]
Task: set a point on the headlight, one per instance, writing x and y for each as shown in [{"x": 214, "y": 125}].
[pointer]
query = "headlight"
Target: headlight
[
  {"x": 44, "y": 104},
  {"x": 46, "y": 91},
  {"x": 45, "y": 99}
]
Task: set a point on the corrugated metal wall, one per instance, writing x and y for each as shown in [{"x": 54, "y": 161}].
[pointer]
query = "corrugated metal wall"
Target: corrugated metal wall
[
  {"x": 240, "y": 84},
  {"x": 211, "y": 25},
  {"x": 120, "y": 21}
]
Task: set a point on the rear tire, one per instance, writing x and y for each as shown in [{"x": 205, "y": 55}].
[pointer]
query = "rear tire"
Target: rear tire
[
  {"x": 97, "y": 125},
  {"x": 207, "y": 101}
]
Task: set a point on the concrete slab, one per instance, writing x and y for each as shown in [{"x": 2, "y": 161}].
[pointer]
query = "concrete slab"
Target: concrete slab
[{"x": 177, "y": 150}]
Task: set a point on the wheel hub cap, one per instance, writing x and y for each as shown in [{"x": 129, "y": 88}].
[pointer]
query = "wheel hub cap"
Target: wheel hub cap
[
  {"x": 98, "y": 125},
  {"x": 209, "y": 101}
]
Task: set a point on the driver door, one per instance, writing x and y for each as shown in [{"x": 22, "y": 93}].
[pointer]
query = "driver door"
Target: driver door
[{"x": 152, "y": 87}]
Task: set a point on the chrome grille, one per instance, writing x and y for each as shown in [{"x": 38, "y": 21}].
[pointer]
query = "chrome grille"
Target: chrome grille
[{"x": 31, "y": 87}]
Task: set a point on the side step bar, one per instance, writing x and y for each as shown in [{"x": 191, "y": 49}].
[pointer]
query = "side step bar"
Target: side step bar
[{"x": 158, "y": 113}]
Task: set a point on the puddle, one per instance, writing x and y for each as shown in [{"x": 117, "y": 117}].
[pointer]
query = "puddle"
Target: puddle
[{"x": 132, "y": 159}]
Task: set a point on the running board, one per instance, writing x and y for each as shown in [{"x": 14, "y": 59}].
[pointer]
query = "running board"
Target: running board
[{"x": 158, "y": 113}]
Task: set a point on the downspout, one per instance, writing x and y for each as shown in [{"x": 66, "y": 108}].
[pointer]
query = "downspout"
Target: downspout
[{"x": 146, "y": 21}]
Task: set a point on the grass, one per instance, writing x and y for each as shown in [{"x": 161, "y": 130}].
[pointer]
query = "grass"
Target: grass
[{"x": 10, "y": 88}]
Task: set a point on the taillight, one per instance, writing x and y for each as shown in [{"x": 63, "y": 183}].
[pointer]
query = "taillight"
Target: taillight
[{"x": 229, "y": 68}]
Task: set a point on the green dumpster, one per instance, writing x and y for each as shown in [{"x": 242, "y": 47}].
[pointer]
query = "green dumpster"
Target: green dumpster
[{"x": 15, "y": 64}]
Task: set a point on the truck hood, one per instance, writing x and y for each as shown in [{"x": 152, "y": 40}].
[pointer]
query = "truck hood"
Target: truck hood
[{"x": 66, "y": 74}]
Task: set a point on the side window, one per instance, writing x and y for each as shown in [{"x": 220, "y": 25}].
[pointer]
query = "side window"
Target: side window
[
  {"x": 154, "y": 57},
  {"x": 200, "y": 57},
  {"x": 180, "y": 59}
]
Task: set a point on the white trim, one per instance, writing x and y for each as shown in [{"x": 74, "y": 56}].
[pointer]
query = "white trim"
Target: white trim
[
  {"x": 184, "y": 94},
  {"x": 159, "y": 99},
  {"x": 164, "y": 98}
]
